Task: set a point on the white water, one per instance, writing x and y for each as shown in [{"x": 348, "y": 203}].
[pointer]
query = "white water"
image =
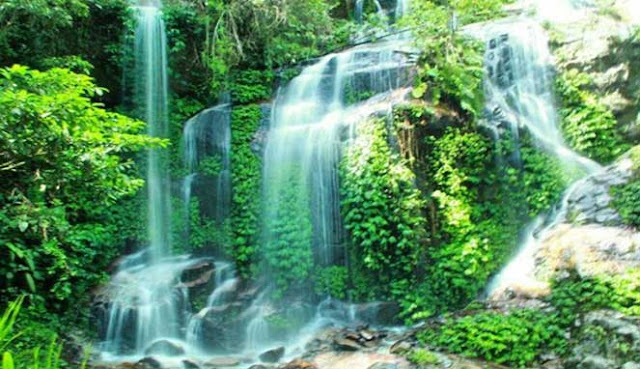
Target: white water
[
  {"x": 143, "y": 304},
  {"x": 208, "y": 134},
  {"x": 152, "y": 92},
  {"x": 518, "y": 83},
  {"x": 305, "y": 139}
]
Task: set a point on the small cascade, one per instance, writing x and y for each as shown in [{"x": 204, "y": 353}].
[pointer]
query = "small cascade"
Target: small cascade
[
  {"x": 226, "y": 284},
  {"x": 206, "y": 142},
  {"x": 144, "y": 301},
  {"x": 303, "y": 148},
  {"x": 519, "y": 93}
]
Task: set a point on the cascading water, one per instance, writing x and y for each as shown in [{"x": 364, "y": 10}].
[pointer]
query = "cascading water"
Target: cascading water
[
  {"x": 304, "y": 143},
  {"x": 311, "y": 119},
  {"x": 152, "y": 94},
  {"x": 143, "y": 301},
  {"x": 518, "y": 89},
  {"x": 207, "y": 137}
]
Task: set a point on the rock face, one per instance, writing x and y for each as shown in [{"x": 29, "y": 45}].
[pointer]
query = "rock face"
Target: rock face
[
  {"x": 606, "y": 340},
  {"x": 606, "y": 48},
  {"x": 591, "y": 240},
  {"x": 590, "y": 201}
]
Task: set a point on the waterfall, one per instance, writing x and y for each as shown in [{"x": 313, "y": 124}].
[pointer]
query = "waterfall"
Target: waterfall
[
  {"x": 518, "y": 85},
  {"x": 207, "y": 136},
  {"x": 304, "y": 143},
  {"x": 152, "y": 93},
  {"x": 143, "y": 301}
]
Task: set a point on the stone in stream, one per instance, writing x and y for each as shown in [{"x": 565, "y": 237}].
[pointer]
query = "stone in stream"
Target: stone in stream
[
  {"x": 165, "y": 347},
  {"x": 273, "y": 355},
  {"x": 190, "y": 364},
  {"x": 299, "y": 364},
  {"x": 148, "y": 363},
  {"x": 221, "y": 362},
  {"x": 400, "y": 348},
  {"x": 384, "y": 366},
  {"x": 346, "y": 344},
  {"x": 259, "y": 366}
]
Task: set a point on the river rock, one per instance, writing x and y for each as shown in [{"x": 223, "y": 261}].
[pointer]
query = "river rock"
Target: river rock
[
  {"x": 190, "y": 364},
  {"x": 400, "y": 348},
  {"x": 384, "y": 366},
  {"x": 273, "y": 355},
  {"x": 148, "y": 363},
  {"x": 299, "y": 364},
  {"x": 165, "y": 347},
  {"x": 346, "y": 344},
  {"x": 222, "y": 362},
  {"x": 259, "y": 366}
]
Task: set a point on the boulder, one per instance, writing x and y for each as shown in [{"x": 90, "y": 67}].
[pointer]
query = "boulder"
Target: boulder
[
  {"x": 384, "y": 366},
  {"x": 222, "y": 362},
  {"x": 346, "y": 344},
  {"x": 400, "y": 348},
  {"x": 148, "y": 363},
  {"x": 165, "y": 347},
  {"x": 299, "y": 364},
  {"x": 273, "y": 355},
  {"x": 259, "y": 366},
  {"x": 190, "y": 364}
]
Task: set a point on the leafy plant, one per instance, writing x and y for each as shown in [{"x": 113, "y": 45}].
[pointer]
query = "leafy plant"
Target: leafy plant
[
  {"x": 588, "y": 125},
  {"x": 626, "y": 200},
  {"x": 387, "y": 233},
  {"x": 516, "y": 338}
]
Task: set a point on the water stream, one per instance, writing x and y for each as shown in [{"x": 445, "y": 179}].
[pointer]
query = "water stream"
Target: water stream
[{"x": 519, "y": 88}]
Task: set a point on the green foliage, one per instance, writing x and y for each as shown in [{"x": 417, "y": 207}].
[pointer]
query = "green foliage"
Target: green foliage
[
  {"x": 14, "y": 355},
  {"x": 626, "y": 200},
  {"x": 422, "y": 357},
  {"x": 544, "y": 180},
  {"x": 575, "y": 296},
  {"x": 246, "y": 181},
  {"x": 78, "y": 34},
  {"x": 451, "y": 64},
  {"x": 588, "y": 125},
  {"x": 381, "y": 207},
  {"x": 515, "y": 338},
  {"x": 251, "y": 86},
  {"x": 68, "y": 163},
  {"x": 332, "y": 281},
  {"x": 210, "y": 166}
]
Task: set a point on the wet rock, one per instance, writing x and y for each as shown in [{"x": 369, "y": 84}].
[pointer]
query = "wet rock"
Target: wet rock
[
  {"x": 222, "y": 362},
  {"x": 259, "y": 366},
  {"x": 189, "y": 364},
  {"x": 384, "y": 366},
  {"x": 273, "y": 355},
  {"x": 345, "y": 344},
  {"x": 148, "y": 363},
  {"x": 165, "y": 347},
  {"x": 400, "y": 348},
  {"x": 299, "y": 364},
  {"x": 198, "y": 274}
]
